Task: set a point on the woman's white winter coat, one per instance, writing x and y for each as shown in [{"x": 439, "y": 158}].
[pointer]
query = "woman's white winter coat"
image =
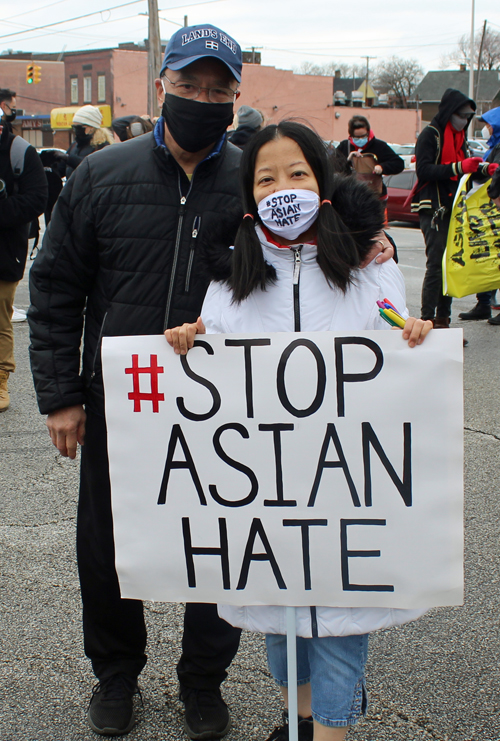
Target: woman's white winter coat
[{"x": 301, "y": 285}]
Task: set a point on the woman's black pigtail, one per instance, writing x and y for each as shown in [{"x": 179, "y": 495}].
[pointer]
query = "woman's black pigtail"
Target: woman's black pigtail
[
  {"x": 337, "y": 253},
  {"x": 249, "y": 267}
]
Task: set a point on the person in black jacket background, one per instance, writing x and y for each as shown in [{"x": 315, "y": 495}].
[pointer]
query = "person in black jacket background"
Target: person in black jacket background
[
  {"x": 126, "y": 127},
  {"x": 363, "y": 141},
  {"x": 249, "y": 121},
  {"x": 441, "y": 159},
  {"x": 90, "y": 137},
  {"x": 22, "y": 199}
]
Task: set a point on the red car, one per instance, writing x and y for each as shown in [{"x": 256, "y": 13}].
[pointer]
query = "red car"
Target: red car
[{"x": 399, "y": 188}]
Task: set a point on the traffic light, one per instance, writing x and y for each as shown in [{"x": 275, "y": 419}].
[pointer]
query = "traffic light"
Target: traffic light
[
  {"x": 30, "y": 73},
  {"x": 37, "y": 76}
]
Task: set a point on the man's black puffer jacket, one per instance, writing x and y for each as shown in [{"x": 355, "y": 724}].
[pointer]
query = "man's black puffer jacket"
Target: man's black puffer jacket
[{"x": 124, "y": 237}]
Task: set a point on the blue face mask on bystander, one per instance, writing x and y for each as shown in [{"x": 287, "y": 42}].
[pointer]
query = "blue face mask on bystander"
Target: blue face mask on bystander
[{"x": 360, "y": 142}]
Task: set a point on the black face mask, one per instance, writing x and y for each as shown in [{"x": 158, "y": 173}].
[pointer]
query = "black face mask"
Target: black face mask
[
  {"x": 80, "y": 135},
  {"x": 194, "y": 125},
  {"x": 12, "y": 115}
]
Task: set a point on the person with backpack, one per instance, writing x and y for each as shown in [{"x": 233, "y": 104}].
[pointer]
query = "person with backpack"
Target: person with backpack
[
  {"x": 442, "y": 157},
  {"x": 23, "y": 194}
]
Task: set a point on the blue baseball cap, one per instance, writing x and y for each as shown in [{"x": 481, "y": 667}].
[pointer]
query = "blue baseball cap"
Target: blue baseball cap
[{"x": 195, "y": 42}]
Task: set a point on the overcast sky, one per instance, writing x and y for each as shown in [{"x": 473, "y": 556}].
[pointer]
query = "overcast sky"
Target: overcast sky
[{"x": 287, "y": 32}]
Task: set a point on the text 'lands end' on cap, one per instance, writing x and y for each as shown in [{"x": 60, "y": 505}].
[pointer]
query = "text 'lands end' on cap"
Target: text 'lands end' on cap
[{"x": 195, "y": 42}]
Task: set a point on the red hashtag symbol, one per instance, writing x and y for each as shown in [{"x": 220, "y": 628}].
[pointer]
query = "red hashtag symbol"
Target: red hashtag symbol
[{"x": 136, "y": 395}]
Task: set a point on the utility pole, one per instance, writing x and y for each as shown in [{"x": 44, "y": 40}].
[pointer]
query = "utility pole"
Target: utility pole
[
  {"x": 479, "y": 60},
  {"x": 252, "y": 49},
  {"x": 471, "y": 53},
  {"x": 154, "y": 54},
  {"x": 185, "y": 21},
  {"x": 367, "y": 75}
]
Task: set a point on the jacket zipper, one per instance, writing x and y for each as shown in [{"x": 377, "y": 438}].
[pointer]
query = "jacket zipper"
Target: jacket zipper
[
  {"x": 97, "y": 348},
  {"x": 180, "y": 213},
  {"x": 194, "y": 234},
  {"x": 296, "y": 281}
]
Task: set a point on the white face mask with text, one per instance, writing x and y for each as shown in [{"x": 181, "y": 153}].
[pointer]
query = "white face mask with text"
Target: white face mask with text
[{"x": 289, "y": 213}]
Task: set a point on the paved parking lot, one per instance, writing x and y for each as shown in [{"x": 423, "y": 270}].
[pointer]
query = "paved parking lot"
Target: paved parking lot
[{"x": 437, "y": 679}]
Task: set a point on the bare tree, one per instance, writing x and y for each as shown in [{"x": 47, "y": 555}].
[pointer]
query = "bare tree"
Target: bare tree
[
  {"x": 329, "y": 69},
  {"x": 490, "y": 56},
  {"x": 398, "y": 77}
]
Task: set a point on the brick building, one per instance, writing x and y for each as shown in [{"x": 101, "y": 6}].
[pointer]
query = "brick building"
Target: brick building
[
  {"x": 39, "y": 98},
  {"x": 116, "y": 77},
  {"x": 34, "y": 102},
  {"x": 280, "y": 94}
]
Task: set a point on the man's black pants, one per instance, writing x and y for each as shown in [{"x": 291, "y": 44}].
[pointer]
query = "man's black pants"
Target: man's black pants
[
  {"x": 433, "y": 301},
  {"x": 113, "y": 628}
]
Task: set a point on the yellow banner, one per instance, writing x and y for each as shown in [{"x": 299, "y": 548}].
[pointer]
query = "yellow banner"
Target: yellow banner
[
  {"x": 471, "y": 262},
  {"x": 62, "y": 118}
]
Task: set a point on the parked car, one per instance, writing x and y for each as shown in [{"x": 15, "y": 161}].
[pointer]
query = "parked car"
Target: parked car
[
  {"x": 399, "y": 188},
  {"x": 406, "y": 152},
  {"x": 478, "y": 147}
]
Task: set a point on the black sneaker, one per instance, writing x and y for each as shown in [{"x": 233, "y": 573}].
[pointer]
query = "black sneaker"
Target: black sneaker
[
  {"x": 111, "y": 711},
  {"x": 480, "y": 311},
  {"x": 306, "y": 730},
  {"x": 206, "y": 713}
]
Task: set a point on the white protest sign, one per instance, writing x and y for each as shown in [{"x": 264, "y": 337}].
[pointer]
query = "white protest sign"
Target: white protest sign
[{"x": 287, "y": 469}]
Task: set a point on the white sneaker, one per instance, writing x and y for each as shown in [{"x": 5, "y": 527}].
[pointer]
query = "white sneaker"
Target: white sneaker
[{"x": 18, "y": 315}]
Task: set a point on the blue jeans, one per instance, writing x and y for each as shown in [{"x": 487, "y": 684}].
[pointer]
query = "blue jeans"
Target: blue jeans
[{"x": 335, "y": 666}]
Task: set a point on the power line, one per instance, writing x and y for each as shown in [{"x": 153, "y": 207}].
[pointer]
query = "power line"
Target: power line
[
  {"x": 70, "y": 32},
  {"x": 69, "y": 20},
  {"x": 27, "y": 12},
  {"x": 98, "y": 12},
  {"x": 306, "y": 45},
  {"x": 333, "y": 53},
  {"x": 38, "y": 100}
]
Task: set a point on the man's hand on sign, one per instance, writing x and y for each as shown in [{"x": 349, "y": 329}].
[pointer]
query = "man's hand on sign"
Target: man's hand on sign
[
  {"x": 182, "y": 338},
  {"x": 354, "y": 153},
  {"x": 67, "y": 429},
  {"x": 377, "y": 170},
  {"x": 382, "y": 251},
  {"x": 415, "y": 330}
]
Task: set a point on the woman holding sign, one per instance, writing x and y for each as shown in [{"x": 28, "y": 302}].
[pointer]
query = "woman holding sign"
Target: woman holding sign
[{"x": 295, "y": 267}]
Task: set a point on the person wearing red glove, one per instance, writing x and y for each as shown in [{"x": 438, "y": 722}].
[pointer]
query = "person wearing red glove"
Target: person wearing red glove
[{"x": 441, "y": 160}]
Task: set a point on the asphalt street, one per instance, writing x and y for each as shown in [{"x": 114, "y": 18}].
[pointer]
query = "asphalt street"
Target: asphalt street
[{"x": 437, "y": 679}]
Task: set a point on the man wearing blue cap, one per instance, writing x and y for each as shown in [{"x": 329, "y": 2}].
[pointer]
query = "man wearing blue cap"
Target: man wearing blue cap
[{"x": 124, "y": 244}]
